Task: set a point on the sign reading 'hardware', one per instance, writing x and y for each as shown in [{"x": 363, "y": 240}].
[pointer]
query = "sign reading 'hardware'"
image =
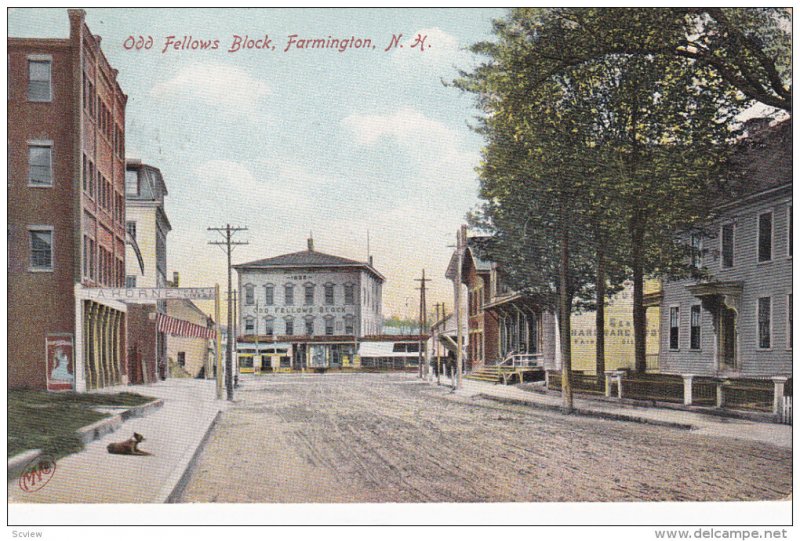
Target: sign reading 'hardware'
[{"x": 148, "y": 294}]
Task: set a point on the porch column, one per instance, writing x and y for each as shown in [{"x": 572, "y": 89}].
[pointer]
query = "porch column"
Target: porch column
[
  {"x": 618, "y": 375},
  {"x": 687, "y": 389},
  {"x": 720, "y": 395},
  {"x": 609, "y": 376},
  {"x": 780, "y": 382}
]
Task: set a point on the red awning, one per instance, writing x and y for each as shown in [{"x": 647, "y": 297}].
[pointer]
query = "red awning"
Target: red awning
[{"x": 179, "y": 327}]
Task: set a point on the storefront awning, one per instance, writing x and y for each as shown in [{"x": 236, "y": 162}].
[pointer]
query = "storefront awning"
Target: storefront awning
[{"x": 178, "y": 327}]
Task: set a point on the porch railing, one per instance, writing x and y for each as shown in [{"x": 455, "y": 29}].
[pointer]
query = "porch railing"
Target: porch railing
[{"x": 522, "y": 360}]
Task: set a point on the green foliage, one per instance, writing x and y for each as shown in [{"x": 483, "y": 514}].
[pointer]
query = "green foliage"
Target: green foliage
[
  {"x": 601, "y": 130},
  {"x": 49, "y": 421}
]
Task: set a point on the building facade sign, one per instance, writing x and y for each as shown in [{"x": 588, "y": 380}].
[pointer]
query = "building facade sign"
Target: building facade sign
[{"x": 148, "y": 294}]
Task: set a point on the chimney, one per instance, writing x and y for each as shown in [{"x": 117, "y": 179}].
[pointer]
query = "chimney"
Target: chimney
[
  {"x": 370, "y": 261},
  {"x": 310, "y": 244},
  {"x": 176, "y": 279}
]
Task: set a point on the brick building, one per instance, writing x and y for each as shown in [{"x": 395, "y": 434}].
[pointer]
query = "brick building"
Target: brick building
[{"x": 66, "y": 212}]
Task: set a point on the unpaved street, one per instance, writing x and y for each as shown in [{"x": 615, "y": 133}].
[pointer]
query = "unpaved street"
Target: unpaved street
[{"x": 392, "y": 438}]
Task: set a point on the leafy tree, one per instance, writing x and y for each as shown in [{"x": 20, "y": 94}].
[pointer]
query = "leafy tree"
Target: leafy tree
[
  {"x": 579, "y": 151},
  {"x": 748, "y": 49}
]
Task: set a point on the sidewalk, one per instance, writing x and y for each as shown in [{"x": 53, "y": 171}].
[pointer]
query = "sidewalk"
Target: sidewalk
[
  {"x": 700, "y": 423},
  {"x": 172, "y": 433}
]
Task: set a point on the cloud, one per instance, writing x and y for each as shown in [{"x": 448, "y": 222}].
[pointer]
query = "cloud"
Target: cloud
[
  {"x": 435, "y": 149},
  {"x": 225, "y": 87}
]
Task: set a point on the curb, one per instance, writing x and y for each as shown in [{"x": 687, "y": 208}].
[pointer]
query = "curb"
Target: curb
[
  {"x": 182, "y": 473},
  {"x": 17, "y": 463},
  {"x": 98, "y": 429},
  {"x": 588, "y": 412}
]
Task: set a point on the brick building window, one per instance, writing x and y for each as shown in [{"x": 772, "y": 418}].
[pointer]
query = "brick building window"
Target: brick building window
[
  {"x": 41, "y": 248},
  {"x": 289, "y": 327},
  {"x": 39, "y": 87},
  {"x": 310, "y": 326},
  {"x": 40, "y": 165},
  {"x": 249, "y": 325},
  {"x": 329, "y": 326}
]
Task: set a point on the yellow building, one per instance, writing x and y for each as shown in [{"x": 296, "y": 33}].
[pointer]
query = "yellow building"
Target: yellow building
[
  {"x": 618, "y": 333},
  {"x": 190, "y": 354}
]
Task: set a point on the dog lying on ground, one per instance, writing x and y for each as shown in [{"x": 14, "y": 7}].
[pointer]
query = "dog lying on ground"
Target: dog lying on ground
[{"x": 128, "y": 447}]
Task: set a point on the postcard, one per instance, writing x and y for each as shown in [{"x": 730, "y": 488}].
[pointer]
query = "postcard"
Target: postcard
[{"x": 408, "y": 266}]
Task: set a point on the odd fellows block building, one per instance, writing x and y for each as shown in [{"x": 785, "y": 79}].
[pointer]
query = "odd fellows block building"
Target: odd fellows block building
[
  {"x": 66, "y": 212},
  {"x": 311, "y": 308}
]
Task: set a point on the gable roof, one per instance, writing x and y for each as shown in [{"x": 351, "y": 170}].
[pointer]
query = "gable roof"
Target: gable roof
[
  {"x": 308, "y": 259},
  {"x": 472, "y": 250}
]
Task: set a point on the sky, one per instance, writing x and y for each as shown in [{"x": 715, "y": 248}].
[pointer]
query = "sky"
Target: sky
[{"x": 304, "y": 141}]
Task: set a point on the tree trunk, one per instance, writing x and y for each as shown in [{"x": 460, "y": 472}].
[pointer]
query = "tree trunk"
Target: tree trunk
[
  {"x": 564, "y": 312},
  {"x": 639, "y": 316},
  {"x": 600, "y": 314}
]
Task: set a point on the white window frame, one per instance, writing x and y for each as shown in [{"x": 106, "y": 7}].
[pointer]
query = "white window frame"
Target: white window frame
[
  {"x": 51, "y": 230},
  {"x": 39, "y": 58},
  {"x": 771, "y": 319},
  {"x": 249, "y": 291},
  {"x": 788, "y": 230},
  {"x": 249, "y": 320},
  {"x": 789, "y": 329},
  {"x": 699, "y": 327},
  {"x": 669, "y": 327},
  {"x": 267, "y": 297},
  {"x": 40, "y": 143},
  {"x": 722, "y": 244},
  {"x": 699, "y": 254},
  {"x": 286, "y": 288},
  {"x": 771, "y": 237}
]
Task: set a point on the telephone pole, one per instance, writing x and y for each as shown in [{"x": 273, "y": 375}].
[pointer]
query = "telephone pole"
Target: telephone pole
[
  {"x": 461, "y": 240},
  {"x": 435, "y": 338},
  {"x": 423, "y": 320},
  {"x": 228, "y": 246}
]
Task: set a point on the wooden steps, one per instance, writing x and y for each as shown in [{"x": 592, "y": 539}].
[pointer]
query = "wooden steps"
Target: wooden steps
[{"x": 491, "y": 374}]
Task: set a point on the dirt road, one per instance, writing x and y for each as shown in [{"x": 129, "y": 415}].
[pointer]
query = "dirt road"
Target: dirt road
[{"x": 392, "y": 438}]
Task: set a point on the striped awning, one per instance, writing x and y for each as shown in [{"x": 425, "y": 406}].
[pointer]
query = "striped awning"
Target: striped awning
[{"x": 179, "y": 327}]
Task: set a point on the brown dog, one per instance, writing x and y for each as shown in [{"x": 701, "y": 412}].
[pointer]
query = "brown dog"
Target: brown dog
[{"x": 128, "y": 447}]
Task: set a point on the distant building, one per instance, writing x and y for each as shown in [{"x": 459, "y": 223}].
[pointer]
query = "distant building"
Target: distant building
[
  {"x": 500, "y": 323},
  {"x": 66, "y": 212},
  {"x": 147, "y": 226},
  {"x": 191, "y": 355},
  {"x": 311, "y": 308},
  {"x": 738, "y": 322}
]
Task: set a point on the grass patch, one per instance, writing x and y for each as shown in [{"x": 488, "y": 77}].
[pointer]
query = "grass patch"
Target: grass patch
[{"x": 49, "y": 421}]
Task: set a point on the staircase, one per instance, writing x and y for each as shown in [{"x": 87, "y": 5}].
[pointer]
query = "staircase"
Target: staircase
[{"x": 490, "y": 373}]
